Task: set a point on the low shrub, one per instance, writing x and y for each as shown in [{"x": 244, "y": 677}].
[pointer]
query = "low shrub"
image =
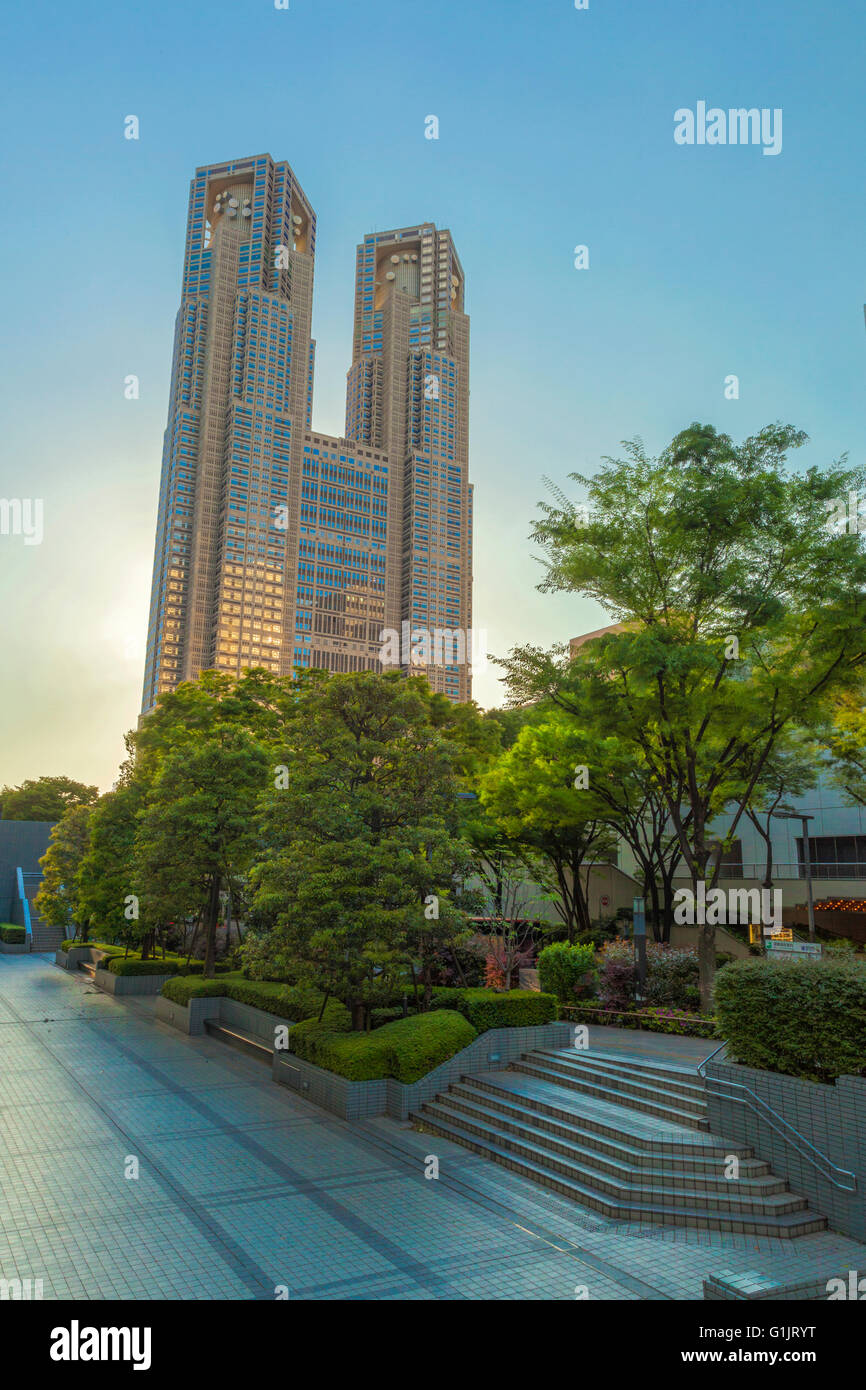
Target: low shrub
[
  {"x": 134, "y": 965},
  {"x": 379, "y": 1017},
  {"x": 12, "y": 936},
  {"x": 292, "y": 1002},
  {"x": 803, "y": 1018},
  {"x": 405, "y": 1050},
  {"x": 487, "y": 1008},
  {"x": 569, "y": 972},
  {"x": 181, "y": 988},
  {"x": 673, "y": 978},
  {"x": 95, "y": 946},
  {"x": 652, "y": 1020},
  {"x": 617, "y": 979}
]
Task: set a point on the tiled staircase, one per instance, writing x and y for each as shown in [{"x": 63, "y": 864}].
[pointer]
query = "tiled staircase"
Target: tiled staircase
[
  {"x": 626, "y": 1137},
  {"x": 44, "y": 938}
]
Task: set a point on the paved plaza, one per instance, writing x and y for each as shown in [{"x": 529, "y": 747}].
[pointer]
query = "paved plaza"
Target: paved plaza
[{"x": 245, "y": 1190}]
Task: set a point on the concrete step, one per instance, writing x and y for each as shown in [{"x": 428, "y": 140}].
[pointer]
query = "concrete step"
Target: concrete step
[
  {"x": 44, "y": 938},
  {"x": 689, "y": 1095},
  {"x": 655, "y": 1208},
  {"x": 678, "y": 1080},
  {"x": 646, "y": 1099},
  {"x": 617, "y": 1159},
  {"x": 240, "y": 1040},
  {"x": 609, "y": 1128},
  {"x": 668, "y": 1189}
]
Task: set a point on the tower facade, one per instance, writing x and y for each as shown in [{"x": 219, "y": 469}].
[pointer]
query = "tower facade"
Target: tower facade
[
  {"x": 278, "y": 546},
  {"x": 408, "y": 394}
]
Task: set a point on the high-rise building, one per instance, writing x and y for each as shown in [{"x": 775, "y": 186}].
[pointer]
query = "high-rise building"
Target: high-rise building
[{"x": 278, "y": 546}]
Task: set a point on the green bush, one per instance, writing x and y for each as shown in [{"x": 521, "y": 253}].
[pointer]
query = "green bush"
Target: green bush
[
  {"x": 292, "y": 1002},
  {"x": 803, "y": 1018},
  {"x": 673, "y": 978},
  {"x": 13, "y": 936},
  {"x": 181, "y": 988},
  {"x": 487, "y": 1008},
  {"x": 94, "y": 945},
  {"x": 134, "y": 965},
  {"x": 567, "y": 971},
  {"x": 169, "y": 964},
  {"x": 405, "y": 1050}
]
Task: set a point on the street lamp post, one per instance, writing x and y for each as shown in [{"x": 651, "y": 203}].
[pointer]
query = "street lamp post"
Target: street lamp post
[{"x": 807, "y": 860}]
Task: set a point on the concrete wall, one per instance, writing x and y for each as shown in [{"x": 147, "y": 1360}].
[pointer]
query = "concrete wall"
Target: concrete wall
[
  {"x": 750, "y": 1286},
  {"x": 129, "y": 984},
  {"x": 831, "y": 1118},
  {"x": 355, "y": 1100},
  {"x": 22, "y": 845},
  {"x": 682, "y": 936}
]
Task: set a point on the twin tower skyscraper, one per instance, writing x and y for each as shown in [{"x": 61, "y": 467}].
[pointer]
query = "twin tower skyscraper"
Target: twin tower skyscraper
[{"x": 280, "y": 547}]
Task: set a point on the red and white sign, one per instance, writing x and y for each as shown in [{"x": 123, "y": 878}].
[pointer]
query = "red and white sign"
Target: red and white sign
[{"x": 604, "y": 900}]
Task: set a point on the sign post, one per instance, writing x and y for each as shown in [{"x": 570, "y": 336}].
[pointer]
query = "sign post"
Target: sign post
[{"x": 639, "y": 933}]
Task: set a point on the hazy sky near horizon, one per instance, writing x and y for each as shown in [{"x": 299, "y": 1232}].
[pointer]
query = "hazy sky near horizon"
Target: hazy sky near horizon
[{"x": 556, "y": 130}]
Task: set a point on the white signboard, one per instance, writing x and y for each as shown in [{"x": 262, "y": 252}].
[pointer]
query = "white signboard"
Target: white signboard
[{"x": 799, "y": 948}]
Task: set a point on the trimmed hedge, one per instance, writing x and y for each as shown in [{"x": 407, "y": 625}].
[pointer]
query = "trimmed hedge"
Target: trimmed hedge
[
  {"x": 133, "y": 965},
  {"x": 12, "y": 936},
  {"x": 488, "y": 1008},
  {"x": 181, "y": 988},
  {"x": 803, "y": 1018},
  {"x": 406, "y": 1050},
  {"x": 94, "y": 945},
  {"x": 292, "y": 1002},
  {"x": 158, "y": 965}
]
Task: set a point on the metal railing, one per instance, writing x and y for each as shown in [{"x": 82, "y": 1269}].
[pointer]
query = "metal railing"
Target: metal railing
[
  {"x": 853, "y": 869},
  {"x": 25, "y": 904},
  {"x": 806, "y": 1149}
]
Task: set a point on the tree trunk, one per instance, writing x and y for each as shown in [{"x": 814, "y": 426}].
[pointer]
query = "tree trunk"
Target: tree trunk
[
  {"x": 358, "y": 1017},
  {"x": 212, "y": 912},
  {"x": 658, "y": 924}
]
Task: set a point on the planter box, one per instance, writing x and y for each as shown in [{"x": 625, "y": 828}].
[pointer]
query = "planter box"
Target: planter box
[
  {"x": 17, "y": 948},
  {"x": 831, "y": 1118},
  {"x": 188, "y": 1019},
  {"x": 70, "y": 959},
  {"x": 231, "y": 1012},
  {"x": 358, "y": 1100},
  {"x": 749, "y": 1287},
  {"x": 129, "y": 984}
]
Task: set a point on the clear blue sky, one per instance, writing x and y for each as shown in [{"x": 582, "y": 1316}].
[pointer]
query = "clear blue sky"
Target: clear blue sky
[{"x": 556, "y": 128}]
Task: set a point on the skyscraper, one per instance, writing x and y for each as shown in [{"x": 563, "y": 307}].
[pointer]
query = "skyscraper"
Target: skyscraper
[{"x": 278, "y": 546}]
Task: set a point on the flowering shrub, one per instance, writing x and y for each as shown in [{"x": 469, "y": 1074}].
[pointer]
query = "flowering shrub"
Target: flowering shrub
[
  {"x": 618, "y": 976},
  {"x": 672, "y": 976}
]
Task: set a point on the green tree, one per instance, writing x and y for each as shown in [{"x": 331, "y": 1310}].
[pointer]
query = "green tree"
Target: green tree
[
  {"x": 105, "y": 874},
  {"x": 57, "y": 900},
  {"x": 44, "y": 798},
  {"x": 197, "y": 831},
  {"x": 541, "y": 795},
  {"x": 362, "y": 846},
  {"x": 741, "y": 614},
  {"x": 845, "y": 739}
]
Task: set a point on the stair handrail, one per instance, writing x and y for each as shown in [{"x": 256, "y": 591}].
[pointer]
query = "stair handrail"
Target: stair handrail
[
  {"x": 25, "y": 904},
  {"x": 815, "y": 1157}
]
